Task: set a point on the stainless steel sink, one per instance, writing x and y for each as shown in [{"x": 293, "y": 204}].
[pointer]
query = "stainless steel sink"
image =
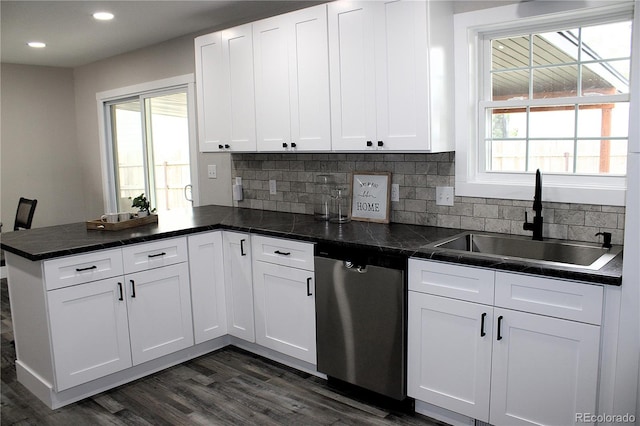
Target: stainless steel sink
[{"x": 550, "y": 252}]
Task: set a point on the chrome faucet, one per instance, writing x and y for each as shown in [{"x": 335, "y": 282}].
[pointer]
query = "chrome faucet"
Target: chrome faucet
[{"x": 536, "y": 225}]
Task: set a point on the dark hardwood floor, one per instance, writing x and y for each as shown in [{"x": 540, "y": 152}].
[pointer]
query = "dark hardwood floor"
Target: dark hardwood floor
[{"x": 226, "y": 387}]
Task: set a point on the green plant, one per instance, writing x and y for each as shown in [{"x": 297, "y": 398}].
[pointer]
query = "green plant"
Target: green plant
[{"x": 142, "y": 203}]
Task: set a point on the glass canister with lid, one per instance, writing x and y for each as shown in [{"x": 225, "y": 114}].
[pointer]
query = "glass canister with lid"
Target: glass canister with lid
[
  {"x": 340, "y": 205},
  {"x": 323, "y": 196}
]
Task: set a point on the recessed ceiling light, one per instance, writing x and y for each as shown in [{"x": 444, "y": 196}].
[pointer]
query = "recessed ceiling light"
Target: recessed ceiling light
[
  {"x": 103, "y": 16},
  {"x": 36, "y": 44}
]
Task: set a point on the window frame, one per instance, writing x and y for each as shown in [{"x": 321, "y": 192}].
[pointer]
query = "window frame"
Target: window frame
[{"x": 470, "y": 31}]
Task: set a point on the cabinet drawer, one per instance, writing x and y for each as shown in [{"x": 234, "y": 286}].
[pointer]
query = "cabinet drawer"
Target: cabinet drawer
[
  {"x": 283, "y": 252},
  {"x": 446, "y": 279},
  {"x": 82, "y": 268},
  {"x": 556, "y": 298},
  {"x": 141, "y": 257}
]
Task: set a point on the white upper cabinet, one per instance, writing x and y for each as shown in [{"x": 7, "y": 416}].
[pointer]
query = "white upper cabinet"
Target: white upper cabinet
[
  {"x": 389, "y": 75},
  {"x": 226, "y": 101},
  {"x": 292, "y": 81}
]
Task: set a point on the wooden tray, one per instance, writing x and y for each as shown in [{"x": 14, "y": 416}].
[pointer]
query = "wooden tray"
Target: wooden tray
[{"x": 117, "y": 226}]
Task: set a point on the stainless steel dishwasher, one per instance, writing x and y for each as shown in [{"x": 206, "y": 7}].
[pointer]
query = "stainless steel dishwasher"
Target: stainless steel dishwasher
[{"x": 361, "y": 317}]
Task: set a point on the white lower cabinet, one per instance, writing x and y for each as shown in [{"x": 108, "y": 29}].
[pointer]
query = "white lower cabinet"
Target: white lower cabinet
[
  {"x": 159, "y": 308},
  {"x": 89, "y": 331},
  {"x": 206, "y": 270},
  {"x": 285, "y": 310},
  {"x": 497, "y": 364},
  {"x": 101, "y": 327},
  {"x": 449, "y": 353},
  {"x": 238, "y": 283},
  {"x": 544, "y": 370}
]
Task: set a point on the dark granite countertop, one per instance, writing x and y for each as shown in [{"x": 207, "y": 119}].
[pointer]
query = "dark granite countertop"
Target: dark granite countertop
[{"x": 410, "y": 240}]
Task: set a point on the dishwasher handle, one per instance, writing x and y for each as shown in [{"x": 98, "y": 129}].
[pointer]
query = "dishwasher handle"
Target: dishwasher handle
[{"x": 362, "y": 269}]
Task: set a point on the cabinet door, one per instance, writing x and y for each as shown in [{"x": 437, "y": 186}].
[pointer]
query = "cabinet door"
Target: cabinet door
[
  {"x": 309, "y": 83},
  {"x": 449, "y": 353},
  {"x": 212, "y": 90},
  {"x": 402, "y": 74},
  {"x": 206, "y": 270},
  {"x": 89, "y": 331},
  {"x": 352, "y": 75},
  {"x": 544, "y": 371},
  {"x": 159, "y": 305},
  {"x": 237, "y": 62},
  {"x": 285, "y": 310},
  {"x": 272, "y": 80},
  {"x": 238, "y": 285},
  {"x": 226, "y": 104}
]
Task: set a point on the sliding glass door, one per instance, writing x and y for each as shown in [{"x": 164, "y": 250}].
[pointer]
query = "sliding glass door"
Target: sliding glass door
[{"x": 150, "y": 142}]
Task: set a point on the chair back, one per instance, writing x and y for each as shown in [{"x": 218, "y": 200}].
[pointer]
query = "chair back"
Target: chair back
[{"x": 24, "y": 215}]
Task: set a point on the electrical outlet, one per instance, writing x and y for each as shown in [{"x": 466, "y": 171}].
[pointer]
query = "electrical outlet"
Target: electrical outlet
[
  {"x": 272, "y": 187},
  {"x": 444, "y": 195},
  {"x": 212, "y": 172},
  {"x": 395, "y": 192}
]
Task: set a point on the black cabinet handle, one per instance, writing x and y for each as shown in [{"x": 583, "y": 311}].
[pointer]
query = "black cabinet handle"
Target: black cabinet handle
[
  {"x": 86, "y": 269},
  {"x": 369, "y": 143},
  {"x": 293, "y": 144},
  {"x": 499, "y": 327},
  {"x": 133, "y": 288},
  {"x": 482, "y": 333},
  {"x": 156, "y": 255},
  {"x": 308, "y": 287},
  {"x": 242, "y": 253},
  {"x": 120, "y": 288},
  {"x": 380, "y": 143},
  {"x": 284, "y": 145},
  {"x": 226, "y": 145},
  {"x": 220, "y": 147},
  {"x": 284, "y": 253}
]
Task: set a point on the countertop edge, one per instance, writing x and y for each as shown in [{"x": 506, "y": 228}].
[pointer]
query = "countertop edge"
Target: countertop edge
[{"x": 269, "y": 228}]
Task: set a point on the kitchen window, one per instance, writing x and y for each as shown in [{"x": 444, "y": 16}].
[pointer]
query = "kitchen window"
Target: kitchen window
[{"x": 543, "y": 88}]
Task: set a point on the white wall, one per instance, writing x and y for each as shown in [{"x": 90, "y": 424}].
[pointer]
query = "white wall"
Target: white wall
[{"x": 39, "y": 150}]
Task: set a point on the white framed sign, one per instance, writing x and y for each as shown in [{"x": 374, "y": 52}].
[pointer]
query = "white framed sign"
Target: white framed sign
[{"x": 370, "y": 199}]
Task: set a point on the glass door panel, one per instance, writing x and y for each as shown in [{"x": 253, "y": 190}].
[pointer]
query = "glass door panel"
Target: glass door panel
[
  {"x": 129, "y": 156},
  {"x": 168, "y": 137},
  {"x": 150, "y": 136}
]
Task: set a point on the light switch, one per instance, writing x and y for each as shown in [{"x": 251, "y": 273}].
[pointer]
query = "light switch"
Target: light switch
[
  {"x": 212, "y": 172},
  {"x": 395, "y": 192},
  {"x": 444, "y": 195}
]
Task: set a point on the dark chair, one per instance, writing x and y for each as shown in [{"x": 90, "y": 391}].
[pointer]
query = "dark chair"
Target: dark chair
[{"x": 24, "y": 215}]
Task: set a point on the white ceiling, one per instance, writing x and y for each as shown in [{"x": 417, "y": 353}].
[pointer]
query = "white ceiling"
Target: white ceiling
[{"x": 74, "y": 38}]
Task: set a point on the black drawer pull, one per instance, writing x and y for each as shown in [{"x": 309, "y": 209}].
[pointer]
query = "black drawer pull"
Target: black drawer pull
[
  {"x": 133, "y": 288},
  {"x": 293, "y": 144},
  {"x": 482, "y": 333},
  {"x": 86, "y": 269},
  {"x": 220, "y": 147},
  {"x": 380, "y": 143},
  {"x": 284, "y": 145},
  {"x": 499, "y": 327},
  {"x": 156, "y": 255},
  {"x": 227, "y": 146},
  {"x": 120, "y": 288},
  {"x": 369, "y": 143},
  {"x": 242, "y": 253},
  {"x": 284, "y": 253},
  {"x": 308, "y": 287}
]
